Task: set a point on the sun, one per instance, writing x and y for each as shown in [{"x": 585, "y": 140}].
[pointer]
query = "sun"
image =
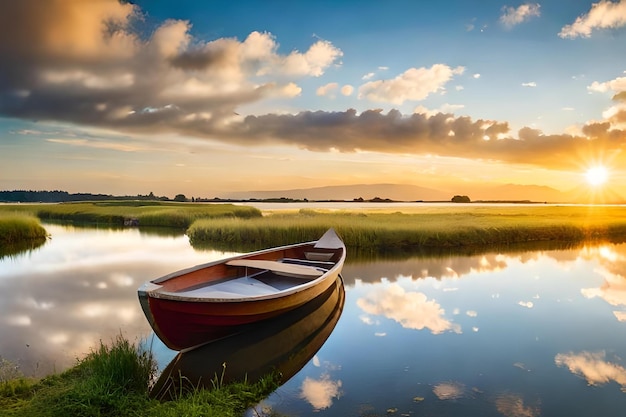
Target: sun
[{"x": 596, "y": 176}]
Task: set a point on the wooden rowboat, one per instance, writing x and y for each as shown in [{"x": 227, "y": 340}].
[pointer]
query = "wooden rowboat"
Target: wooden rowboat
[
  {"x": 282, "y": 344},
  {"x": 197, "y": 305}
]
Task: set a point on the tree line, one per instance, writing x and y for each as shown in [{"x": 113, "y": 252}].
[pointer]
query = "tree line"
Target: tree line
[{"x": 56, "y": 196}]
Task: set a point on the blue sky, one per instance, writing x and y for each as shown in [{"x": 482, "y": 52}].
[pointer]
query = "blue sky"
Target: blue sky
[{"x": 204, "y": 98}]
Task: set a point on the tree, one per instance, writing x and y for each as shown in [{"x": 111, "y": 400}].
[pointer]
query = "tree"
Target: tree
[
  {"x": 461, "y": 199},
  {"x": 180, "y": 197}
]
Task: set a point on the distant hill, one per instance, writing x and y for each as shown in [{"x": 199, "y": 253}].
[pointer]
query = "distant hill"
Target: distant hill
[
  {"x": 404, "y": 192},
  {"x": 517, "y": 192},
  {"x": 399, "y": 192}
]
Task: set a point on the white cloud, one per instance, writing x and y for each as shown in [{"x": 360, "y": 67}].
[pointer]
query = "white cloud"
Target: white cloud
[
  {"x": 530, "y": 84},
  {"x": 327, "y": 89},
  {"x": 313, "y": 62},
  {"x": 412, "y": 85},
  {"x": 604, "y": 14},
  {"x": 512, "y": 16},
  {"x": 368, "y": 76},
  {"x": 476, "y": 76},
  {"x": 616, "y": 85},
  {"x": 527, "y": 304},
  {"x": 347, "y": 90}
]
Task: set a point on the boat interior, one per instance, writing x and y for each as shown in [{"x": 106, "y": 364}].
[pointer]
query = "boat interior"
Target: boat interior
[{"x": 263, "y": 277}]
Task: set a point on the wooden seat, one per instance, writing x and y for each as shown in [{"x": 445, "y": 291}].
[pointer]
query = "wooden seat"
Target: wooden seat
[{"x": 291, "y": 270}]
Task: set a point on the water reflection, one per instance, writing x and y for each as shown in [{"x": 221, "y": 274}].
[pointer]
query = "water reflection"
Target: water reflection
[
  {"x": 284, "y": 344},
  {"x": 58, "y": 301},
  {"x": 594, "y": 367},
  {"x": 413, "y": 310},
  {"x": 497, "y": 333}
]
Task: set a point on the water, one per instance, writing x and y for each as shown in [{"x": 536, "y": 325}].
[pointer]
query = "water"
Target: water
[{"x": 517, "y": 334}]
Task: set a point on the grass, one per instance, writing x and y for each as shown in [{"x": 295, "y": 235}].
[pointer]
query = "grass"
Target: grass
[
  {"x": 19, "y": 232},
  {"x": 376, "y": 231},
  {"x": 437, "y": 227},
  {"x": 113, "y": 381},
  {"x": 160, "y": 214}
]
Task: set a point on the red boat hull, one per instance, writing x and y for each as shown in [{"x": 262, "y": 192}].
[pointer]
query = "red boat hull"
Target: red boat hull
[{"x": 182, "y": 319}]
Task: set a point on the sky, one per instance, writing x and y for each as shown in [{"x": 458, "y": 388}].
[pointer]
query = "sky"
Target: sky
[{"x": 207, "y": 98}]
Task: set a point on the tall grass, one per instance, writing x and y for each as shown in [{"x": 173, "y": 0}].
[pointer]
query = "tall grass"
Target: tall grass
[
  {"x": 19, "y": 227},
  {"x": 113, "y": 380},
  {"x": 447, "y": 228},
  {"x": 171, "y": 214},
  {"x": 20, "y": 232}
]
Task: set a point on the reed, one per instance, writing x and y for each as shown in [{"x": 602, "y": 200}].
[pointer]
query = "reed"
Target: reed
[
  {"x": 160, "y": 214},
  {"x": 436, "y": 227},
  {"x": 18, "y": 227}
]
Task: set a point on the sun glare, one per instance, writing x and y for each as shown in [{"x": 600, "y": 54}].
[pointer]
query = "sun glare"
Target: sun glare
[{"x": 597, "y": 176}]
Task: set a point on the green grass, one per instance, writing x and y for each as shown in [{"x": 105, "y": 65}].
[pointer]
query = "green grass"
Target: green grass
[
  {"x": 113, "y": 381},
  {"x": 19, "y": 232},
  {"x": 440, "y": 227},
  {"x": 160, "y": 214}
]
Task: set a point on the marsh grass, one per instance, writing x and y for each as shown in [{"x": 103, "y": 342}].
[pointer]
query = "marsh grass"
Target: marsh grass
[
  {"x": 160, "y": 214},
  {"x": 19, "y": 232},
  {"x": 446, "y": 227},
  {"x": 113, "y": 380},
  {"x": 16, "y": 227}
]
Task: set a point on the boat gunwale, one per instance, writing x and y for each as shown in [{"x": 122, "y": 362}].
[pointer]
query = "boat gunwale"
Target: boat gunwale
[{"x": 154, "y": 289}]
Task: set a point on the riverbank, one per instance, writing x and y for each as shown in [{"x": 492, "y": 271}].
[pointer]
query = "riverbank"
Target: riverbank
[
  {"x": 426, "y": 227},
  {"x": 385, "y": 228},
  {"x": 114, "y": 381},
  {"x": 20, "y": 232}
]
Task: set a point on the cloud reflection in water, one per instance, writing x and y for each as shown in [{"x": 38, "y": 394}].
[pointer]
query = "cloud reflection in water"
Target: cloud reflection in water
[
  {"x": 594, "y": 367},
  {"x": 413, "y": 310}
]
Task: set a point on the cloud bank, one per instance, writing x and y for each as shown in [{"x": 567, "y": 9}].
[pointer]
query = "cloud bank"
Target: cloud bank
[{"x": 98, "y": 64}]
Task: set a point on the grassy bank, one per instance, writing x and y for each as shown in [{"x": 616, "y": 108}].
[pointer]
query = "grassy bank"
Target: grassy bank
[
  {"x": 19, "y": 232},
  {"x": 442, "y": 227},
  {"x": 113, "y": 381},
  {"x": 160, "y": 214},
  {"x": 241, "y": 228}
]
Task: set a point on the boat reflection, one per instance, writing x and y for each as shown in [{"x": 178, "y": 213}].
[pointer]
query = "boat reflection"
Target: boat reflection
[{"x": 284, "y": 344}]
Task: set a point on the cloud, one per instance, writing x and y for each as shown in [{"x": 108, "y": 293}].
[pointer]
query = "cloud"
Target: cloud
[
  {"x": 512, "y": 405},
  {"x": 530, "y": 84},
  {"x": 326, "y": 89},
  {"x": 604, "y": 14},
  {"x": 449, "y": 390},
  {"x": 414, "y": 84},
  {"x": 94, "y": 64},
  {"x": 593, "y": 366},
  {"x": 320, "y": 392},
  {"x": 347, "y": 90},
  {"x": 512, "y": 16},
  {"x": 412, "y": 310}
]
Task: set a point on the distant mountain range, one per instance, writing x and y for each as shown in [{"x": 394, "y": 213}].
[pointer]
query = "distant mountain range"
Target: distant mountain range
[{"x": 403, "y": 192}]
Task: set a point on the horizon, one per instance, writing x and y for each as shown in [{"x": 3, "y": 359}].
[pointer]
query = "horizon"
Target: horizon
[{"x": 203, "y": 99}]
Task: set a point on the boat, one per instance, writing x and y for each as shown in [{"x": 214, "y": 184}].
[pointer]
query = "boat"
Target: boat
[
  {"x": 284, "y": 344},
  {"x": 206, "y": 302}
]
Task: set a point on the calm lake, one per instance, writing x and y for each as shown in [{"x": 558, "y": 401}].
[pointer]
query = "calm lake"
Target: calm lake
[{"x": 518, "y": 334}]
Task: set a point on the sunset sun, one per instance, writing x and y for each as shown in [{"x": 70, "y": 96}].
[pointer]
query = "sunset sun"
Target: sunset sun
[{"x": 597, "y": 176}]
